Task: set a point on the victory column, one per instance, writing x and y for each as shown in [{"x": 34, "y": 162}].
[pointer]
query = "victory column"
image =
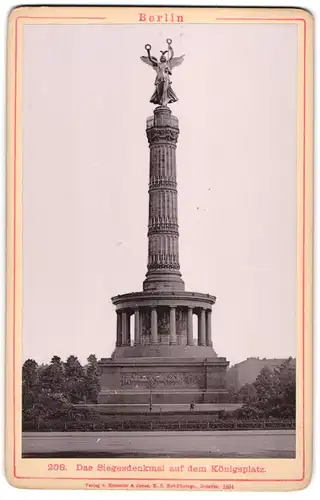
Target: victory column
[{"x": 161, "y": 355}]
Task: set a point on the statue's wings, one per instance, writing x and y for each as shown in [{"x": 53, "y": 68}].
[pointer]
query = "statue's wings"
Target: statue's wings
[
  {"x": 152, "y": 63},
  {"x": 176, "y": 61}
]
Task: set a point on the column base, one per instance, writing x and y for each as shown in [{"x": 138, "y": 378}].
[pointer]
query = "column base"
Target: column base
[{"x": 159, "y": 280}]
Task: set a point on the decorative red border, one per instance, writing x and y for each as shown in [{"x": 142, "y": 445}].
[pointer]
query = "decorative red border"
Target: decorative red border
[{"x": 249, "y": 19}]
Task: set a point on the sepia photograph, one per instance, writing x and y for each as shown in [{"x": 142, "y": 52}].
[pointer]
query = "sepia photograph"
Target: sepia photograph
[
  {"x": 159, "y": 197},
  {"x": 161, "y": 245}
]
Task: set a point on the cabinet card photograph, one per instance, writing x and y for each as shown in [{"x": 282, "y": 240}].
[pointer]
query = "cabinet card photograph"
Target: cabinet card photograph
[{"x": 159, "y": 242}]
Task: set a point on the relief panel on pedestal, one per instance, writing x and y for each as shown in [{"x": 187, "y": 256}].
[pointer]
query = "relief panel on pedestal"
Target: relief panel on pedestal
[{"x": 145, "y": 380}]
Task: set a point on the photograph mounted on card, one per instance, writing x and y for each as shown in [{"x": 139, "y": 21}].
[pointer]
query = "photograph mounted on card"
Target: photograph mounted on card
[{"x": 159, "y": 273}]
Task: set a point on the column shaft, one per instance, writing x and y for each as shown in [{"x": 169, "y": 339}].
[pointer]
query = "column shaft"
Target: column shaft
[
  {"x": 124, "y": 327},
  {"x": 128, "y": 328},
  {"x": 202, "y": 328},
  {"x": 137, "y": 327},
  {"x": 208, "y": 329},
  {"x": 173, "y": 331},
  {"x": 154, "y": 326},
  {"x": 190, "y": 327},
  {"x": 119, "y": 340},
  {"x": 163, "y": 256}
]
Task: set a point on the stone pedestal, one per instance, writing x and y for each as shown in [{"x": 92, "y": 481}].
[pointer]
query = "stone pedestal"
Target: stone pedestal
[{"x": 163, "y": 380}]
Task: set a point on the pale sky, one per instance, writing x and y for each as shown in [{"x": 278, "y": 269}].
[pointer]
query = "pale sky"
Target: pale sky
[{"x": 85, "y": 181}]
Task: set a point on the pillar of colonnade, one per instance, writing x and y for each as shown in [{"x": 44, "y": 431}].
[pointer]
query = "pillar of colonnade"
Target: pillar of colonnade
[{"x": 124, "y": 334}]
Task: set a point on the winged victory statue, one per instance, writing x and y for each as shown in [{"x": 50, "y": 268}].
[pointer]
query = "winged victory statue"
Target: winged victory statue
[{"x": 163, "y": 94}]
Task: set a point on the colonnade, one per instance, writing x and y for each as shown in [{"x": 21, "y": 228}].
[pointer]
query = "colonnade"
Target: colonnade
[{"x": 124, "y": 326}]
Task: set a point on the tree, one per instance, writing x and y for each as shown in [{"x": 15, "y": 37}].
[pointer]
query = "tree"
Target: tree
[
  {"x": 285, "y": 382},
  {"x": 247, "y": 394},
  {"x": 265, "y": 389},
  {"x": 92, "y": 382},
  {"x": 74, "y": 380},
  {"x": 30, "y": 383},
  {"x": 276, "y": 390},
  {"x": 52, "y": 376},
  {"x": 48, "y": 407},
  {"x": 272, "y": 394},
  {"x": 50, "y": 394}
]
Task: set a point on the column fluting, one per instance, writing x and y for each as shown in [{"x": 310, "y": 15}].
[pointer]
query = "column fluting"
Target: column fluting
[{"x": 163, "y": 234}]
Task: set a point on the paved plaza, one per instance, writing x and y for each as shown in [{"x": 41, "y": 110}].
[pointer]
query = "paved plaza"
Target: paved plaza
[{"x": 224, "y": 444}]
